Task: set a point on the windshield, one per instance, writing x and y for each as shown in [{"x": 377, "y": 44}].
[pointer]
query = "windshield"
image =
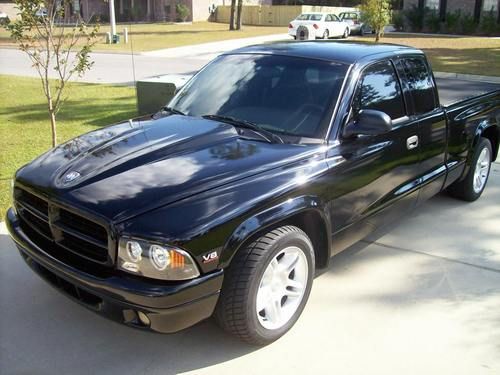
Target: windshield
[
  {"x": 309, "y": 17},
  {"x": 287, "y": 95}
]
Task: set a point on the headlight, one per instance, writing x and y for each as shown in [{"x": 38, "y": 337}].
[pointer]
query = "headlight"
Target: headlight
[{"x": 154, "y": 260}]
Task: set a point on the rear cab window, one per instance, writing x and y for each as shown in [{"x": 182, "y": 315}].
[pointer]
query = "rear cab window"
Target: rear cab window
[{"x": 421, "y": 85}]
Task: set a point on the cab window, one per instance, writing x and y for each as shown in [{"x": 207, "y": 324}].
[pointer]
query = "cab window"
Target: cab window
[
  {"x": 420, "y": 84},
  {"x": 379, "y": 89}
]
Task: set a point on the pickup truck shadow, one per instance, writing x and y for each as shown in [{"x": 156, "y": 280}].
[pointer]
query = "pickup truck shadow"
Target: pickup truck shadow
[{"x": 446, "y": 252}]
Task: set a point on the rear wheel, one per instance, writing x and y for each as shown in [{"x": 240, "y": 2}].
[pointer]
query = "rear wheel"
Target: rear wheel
[
  {"x": 472, "y": 186},
  {"x": 346, "y": 33},
  {"x": 326, "y": 34},
  {"x": 267, "y": 286}
]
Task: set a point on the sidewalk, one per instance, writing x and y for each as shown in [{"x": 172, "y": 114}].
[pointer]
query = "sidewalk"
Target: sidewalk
[{"x": 208, "y": 51}]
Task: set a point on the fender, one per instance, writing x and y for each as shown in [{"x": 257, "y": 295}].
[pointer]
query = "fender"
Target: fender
[
  {"x": 483, "y": 127},
  {"x": 269, "y": 217}
]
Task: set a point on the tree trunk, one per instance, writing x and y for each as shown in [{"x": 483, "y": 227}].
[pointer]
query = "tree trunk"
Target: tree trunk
[
  {"x": 52, "y": 115},
  {"x": 231, "y": 16},
  {"x": 53, "y": 128},
  {"x": 377, "y": 35},
  {"x": 238, "y": 15}
]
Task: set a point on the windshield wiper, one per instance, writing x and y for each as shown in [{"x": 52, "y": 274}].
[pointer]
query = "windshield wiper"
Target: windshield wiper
[
  {"x": 266, "y": 134},
  {"x": 173, "y": 111}
]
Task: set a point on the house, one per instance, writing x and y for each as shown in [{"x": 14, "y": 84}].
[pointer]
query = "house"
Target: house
[
  {"x": 147, "y": 10},
  {"x": 476, "y": 8}
]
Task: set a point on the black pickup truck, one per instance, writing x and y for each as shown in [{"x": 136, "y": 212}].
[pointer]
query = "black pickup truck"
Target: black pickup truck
[{"x": 227, "y": 202}]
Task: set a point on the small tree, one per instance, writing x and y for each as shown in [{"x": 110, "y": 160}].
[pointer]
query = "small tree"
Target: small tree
[
  {"x": 52, "y": 43},
  {"x": 377, "y": 14},
  {"x": 182, "y": 11}
]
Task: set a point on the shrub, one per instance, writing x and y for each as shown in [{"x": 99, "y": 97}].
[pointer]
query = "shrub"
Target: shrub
[
  {"x": 398, "y": 19},
  {"x": 488, "y": 24},
  {"x": 182, "y": 12},
  {"x": 452, "y": 24},
  {"x": 415, "y": 18},
  {"x": 468, "y": 24},
  {"x": 432, "y": 21}
]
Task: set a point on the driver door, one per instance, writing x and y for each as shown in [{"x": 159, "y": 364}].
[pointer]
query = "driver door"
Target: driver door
[{"x": 376, "y": 177}]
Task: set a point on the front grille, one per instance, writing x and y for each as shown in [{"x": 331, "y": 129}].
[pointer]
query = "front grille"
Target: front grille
[{"x": 65, "y": 229}]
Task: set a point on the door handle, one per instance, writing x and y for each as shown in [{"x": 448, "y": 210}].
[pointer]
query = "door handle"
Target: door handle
[{"x": 412, "y": 142}]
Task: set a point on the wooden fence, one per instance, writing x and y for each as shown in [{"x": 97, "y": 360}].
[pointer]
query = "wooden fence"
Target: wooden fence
[{"x": 274, "y": 15}]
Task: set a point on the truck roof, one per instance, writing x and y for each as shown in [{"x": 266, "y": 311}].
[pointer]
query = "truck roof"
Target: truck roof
[{"x": 339, "y": 51}]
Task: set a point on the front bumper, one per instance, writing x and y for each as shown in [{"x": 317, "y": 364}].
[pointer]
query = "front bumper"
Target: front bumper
[{"x": 168, "y": 306}]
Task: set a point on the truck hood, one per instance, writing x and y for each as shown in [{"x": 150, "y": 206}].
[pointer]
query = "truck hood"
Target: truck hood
[{"x": 130, "y": 168}]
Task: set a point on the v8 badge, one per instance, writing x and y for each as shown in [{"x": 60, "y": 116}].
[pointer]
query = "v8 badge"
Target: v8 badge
[{"x": 210, "y": 257}]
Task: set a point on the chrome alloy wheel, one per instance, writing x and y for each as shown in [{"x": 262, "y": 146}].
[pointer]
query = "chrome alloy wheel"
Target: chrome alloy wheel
[
  {"x": 282, "y": 288},
  {"x": 482, "y": 170}
]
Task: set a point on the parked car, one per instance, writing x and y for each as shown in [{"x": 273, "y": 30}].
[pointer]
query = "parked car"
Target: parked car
[
  {"x": 356, "y": 25},
  {"x": 4, "y": 18},
  {"x": 325, "y": 25},
  {"x": 227, "y": 202},
  {"x": 42, "y": 13}
]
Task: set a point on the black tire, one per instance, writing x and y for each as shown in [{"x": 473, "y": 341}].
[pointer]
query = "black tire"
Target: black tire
[
  {"x": 346, "y": 34},
  {"x": 236, "y": 309},
  {"x": 326, "y": 34},
  {"x": 464, "y": 189}
]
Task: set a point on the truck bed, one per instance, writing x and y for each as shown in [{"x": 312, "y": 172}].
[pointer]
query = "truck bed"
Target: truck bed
[{"x": 455, "y": 90}]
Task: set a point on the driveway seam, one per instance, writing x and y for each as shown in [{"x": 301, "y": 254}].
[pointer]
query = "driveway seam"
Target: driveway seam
[{"x": 486, "y": 268}]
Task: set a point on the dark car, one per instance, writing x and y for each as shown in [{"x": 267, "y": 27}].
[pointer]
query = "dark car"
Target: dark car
[{"x": 226, "y": 203}]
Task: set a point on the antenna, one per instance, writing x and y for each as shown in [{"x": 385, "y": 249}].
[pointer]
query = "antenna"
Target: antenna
[{"x": 133, "y": 63}]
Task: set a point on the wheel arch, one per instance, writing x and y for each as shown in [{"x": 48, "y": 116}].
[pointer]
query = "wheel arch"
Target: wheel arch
[
  {"x": 492, "y": 133},
  {"x": 305, "y": 212}
]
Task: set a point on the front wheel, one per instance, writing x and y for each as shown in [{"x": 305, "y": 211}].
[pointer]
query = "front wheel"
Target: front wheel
[
  {"x": 346, "y": 33},
  {"x": 267, "y": 286},
  {"x": 326, "y": 34},
  {"x": 472, "y": 186}
]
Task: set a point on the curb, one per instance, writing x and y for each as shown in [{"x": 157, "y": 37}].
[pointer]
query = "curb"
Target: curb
[{"x": 467, "y": 77}]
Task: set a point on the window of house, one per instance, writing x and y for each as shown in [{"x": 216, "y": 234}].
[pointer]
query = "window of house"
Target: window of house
[
  {"x": 490, "y": 5},
  {"x": 432, "y": 4}
]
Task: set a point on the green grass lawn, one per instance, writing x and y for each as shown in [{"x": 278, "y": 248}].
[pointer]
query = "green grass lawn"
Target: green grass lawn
[
  {"x": 469, "y": 55},
  {"x": 25, "y": 126},
  {"x": 147, "y": 37}
]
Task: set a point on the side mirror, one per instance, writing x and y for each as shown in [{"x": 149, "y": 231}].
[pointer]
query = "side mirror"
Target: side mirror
[{"x": 369, "y": 122}]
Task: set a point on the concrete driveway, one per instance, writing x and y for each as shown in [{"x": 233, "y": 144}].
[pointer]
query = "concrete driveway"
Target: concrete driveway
[{"x": 423, "y": 298}]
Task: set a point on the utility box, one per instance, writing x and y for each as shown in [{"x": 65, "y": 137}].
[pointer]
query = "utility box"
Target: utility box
[{"x": 156, "y": 92}]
